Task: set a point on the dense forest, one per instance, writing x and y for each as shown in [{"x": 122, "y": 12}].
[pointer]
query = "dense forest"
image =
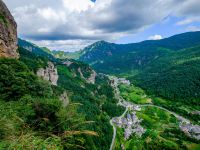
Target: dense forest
[
  {"x": 31, "y": 107},
  {"x": 175, "y": 76},
  {"x": 126, "y": 59}
]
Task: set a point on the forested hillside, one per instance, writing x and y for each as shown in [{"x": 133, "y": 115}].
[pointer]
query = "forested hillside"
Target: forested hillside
[
  {"x": 106, "y": 96},
  {"x": 130, "y": 58},
  {"x": 34, "y": 114},
  {"x": 175, "y": 76},
  {"x": 176, "y": 79}
]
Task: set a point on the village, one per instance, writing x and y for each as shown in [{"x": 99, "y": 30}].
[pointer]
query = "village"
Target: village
[
  {"x": 130, "y": 123},
  {"x": 190, "y": 129}
]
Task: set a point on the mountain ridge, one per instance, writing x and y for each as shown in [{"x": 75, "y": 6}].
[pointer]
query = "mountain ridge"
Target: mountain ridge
[{"x": 113, "y": 58}]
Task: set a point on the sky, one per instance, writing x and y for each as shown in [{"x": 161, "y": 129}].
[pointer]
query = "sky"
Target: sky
[{"x": 70, "y": 25}]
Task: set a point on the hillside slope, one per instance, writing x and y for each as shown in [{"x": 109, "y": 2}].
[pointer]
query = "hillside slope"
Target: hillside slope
[
  {"x": 175, "y": 79},
  {"x": 174, "y": 76},
  {"x": 35, "y": 49},
  {"x": 81, "y": 95},
  {"x": 129, "y": 58}
]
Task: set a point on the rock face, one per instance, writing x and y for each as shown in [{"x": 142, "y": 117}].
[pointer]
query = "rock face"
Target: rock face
[
  {"x": 49, "y": 74},
  {"x": 92, "y": 78},
  {"x": 8, "y": 33},
  {"x": 65, "y": 99}
]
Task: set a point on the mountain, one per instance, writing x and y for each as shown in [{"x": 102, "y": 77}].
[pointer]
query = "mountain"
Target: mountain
[
  {"x": 41, "y": 51},
  {"x": 130, "y": 58},
  {"x": 47, "y": 52},
  {"x": 69, "y": 55},
  {"x": 8, "y": 33},
  {"x": 55, "y": 97},
  {"x": 52, "y": 103},
  {"x": 167, "y": 70},
  {"x": 175, "y": 76},
  {"x": 48, "y": 101}
]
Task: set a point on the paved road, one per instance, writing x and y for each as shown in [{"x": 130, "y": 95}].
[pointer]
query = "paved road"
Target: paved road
[
  {"x": 120, "y": 99},
  {"x": 114, "y": 135},
  {"x": 180, "y": 118},
  {"x": 115, "y": 130}
]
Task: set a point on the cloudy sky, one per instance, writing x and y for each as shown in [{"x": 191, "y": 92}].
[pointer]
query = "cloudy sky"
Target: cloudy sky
[{"x": 70, "y": 25}]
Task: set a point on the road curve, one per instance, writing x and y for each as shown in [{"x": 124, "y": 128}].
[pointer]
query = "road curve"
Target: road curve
[
  {"x": 114, "y": 135},
  {"x": 117, "y": 95}
]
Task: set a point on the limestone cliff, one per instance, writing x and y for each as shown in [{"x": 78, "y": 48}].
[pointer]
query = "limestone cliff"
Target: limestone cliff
[
  {"x": 90, "y": 79},
  {"x": 65, "y": 99},
  {"x": 8, "y": 33},
  {"x": 49, "y": 73}
]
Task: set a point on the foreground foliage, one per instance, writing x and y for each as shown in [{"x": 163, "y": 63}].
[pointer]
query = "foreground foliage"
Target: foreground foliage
[
  {"x": 32, "y": 109},
  {"x": 32, "y": 116}
]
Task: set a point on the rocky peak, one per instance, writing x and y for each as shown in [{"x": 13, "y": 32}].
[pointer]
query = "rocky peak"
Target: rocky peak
[
  {"x": 49, "y": 73},
  {"x": 8, "y": 33}
]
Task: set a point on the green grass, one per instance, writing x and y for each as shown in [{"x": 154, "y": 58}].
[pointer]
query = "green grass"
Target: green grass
[
  {"x": 179, "y": 107},
  {"x": 134, "y": 94},
  {"x": 31, "y": 114},
  {"x": 162, "y": 133},
  {"x": 138, "y": 96},
  {"x": 68, "y": 55},
  {"x": 65, "y": 71}
]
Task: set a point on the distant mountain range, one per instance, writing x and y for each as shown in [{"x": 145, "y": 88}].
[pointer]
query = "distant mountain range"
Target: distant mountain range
[
  {"x": 48, "y": 100},
  {"x": 130, "y": 58},
  {"x": 123, "y": 59},
  {"x": 47, "y": 52},
  {"x": 167, "y": 68},
  {"x": 175, "y": 76}
]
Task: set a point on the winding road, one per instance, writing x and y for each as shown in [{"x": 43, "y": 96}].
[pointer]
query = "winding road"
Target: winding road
[
  {"x": 115, "y": 130},
  {"x": 120, "y": 102}
]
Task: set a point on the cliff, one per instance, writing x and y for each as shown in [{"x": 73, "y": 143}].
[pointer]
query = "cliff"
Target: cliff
[
  {"x": 49, "y": 73},
  {"x": 8, "y": 33}
]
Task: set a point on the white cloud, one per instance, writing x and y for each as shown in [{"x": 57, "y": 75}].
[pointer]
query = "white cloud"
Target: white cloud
[
  {"x": 64, "y": 45},
  {"x": 184, "y": 22},
  {"x": 155, "y": 37},
  {"x": 44, "y": 30},
  {"x": 75, "y": 20},
  {"x": 188, "y": 21},
  {"x": 77, "y": 5},
  {"x": 193, "y": 28},
  {"x": 51, "y": 14},
  {"x": 189, "y": 9}
]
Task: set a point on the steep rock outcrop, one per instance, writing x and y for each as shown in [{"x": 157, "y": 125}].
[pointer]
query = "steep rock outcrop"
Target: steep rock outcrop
[
  {"x": 8, "y": 33},
  {"x": 90, "y": 79},
  {"x": 67, "y": 63},
  {"x": 49, "y": 73},
  {"x": 65, "y": 99}
]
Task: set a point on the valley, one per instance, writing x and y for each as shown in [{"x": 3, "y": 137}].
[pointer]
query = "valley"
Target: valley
[
  {"x": 131, "y": 124},
  {"x": 104, "y": 96}
]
